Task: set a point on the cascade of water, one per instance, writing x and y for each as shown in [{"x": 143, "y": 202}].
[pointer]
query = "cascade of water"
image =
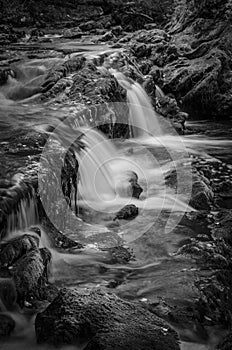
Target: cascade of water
[
  {"x": 24, "y": 215},
  {"x": 143, "y": 119},
  {"x": 104, "y": 180},
  {"x": 96, "y": 179}
]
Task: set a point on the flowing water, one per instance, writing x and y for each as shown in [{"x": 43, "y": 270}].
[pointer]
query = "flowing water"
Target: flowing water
[{"x": 105, "y": 167}]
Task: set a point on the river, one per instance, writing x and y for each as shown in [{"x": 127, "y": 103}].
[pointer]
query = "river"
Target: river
[{"x": 24, "y": 125}]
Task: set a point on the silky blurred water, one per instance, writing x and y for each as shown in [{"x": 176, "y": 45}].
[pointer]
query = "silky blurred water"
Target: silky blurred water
[{"x": 25, "y": 123}]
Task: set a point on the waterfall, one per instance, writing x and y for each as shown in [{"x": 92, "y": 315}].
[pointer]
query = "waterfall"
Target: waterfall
[
  {"x": 104, "y": 176},
  {"x": 144, "y": 120},
  {"x": 96, "y": 180},
  {"x": 25, "y": 213}
]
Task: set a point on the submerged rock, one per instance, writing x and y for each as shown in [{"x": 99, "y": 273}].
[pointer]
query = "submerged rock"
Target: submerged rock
[
  {"x": 128, "y": 212},
  {"x": 119, "y": 255},
  {"x": 104, "y": 321}
]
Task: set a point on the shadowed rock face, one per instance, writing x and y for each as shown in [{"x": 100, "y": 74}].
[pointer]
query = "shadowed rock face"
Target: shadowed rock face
[
  {"x": 226, "y": 344},
  {"x": 104, "y": 321},
  {"x": 193, "y": 56},
  {"x": 7, "y": 326}
]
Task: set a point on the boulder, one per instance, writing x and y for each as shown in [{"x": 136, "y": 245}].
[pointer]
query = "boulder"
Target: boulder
[
  {"x": 29, "y": 272},
  {"x": 202, "y": 194},
  {"x": 197, "y": 81},
  {"x": 119, "y": 255},
  {"x": 72, "y": 33},
  {"x": 103, "y": 321},
  {"x": 128, "y": 212},
  {"x": 16, "y": 248}
]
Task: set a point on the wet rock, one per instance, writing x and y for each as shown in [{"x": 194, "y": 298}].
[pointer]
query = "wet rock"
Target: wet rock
[
  {"x": 87, "y": 26},
  {"x": 8, "y": 34},
  {"x": 117, "y": 30},
  {"x": 57, "y": 238},
  {"x": 15, "y": 248},
  {"x": 7, "y": 326},
  {"x": 202, "y": 194},
  {"x": 61, "y": 71},
  {"x": 150, "y": 26},
  {"x": 5, "y": 74},
  {"x": 29, "y": 271},
  {"x": 119, "y": 255},
  {"x": 128, "y": 212},
  {"x": 221, "y": 228},
  {"x": 140, "y": 50},
  {"x": 104, "y": 320},
  {"x": 107, "y": 36},
  {"x": 167, "y": 106},
  {"x": 197, "y": 87},
  {"x": 198, "y": 221},
  {"x": 94, "y": 90},
  {"x": 226, "y": 343},
  {"x": 8, "y": 294},
  {"x": 73, "y": 33},
  {"x": 36, "y": 33},
  {"x": 151, "y": 36},
  {"x": 100, "y": 31},
  {"x": 136, "y": 190}
]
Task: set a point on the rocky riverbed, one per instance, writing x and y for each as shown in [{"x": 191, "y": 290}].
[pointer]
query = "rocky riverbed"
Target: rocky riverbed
[{"x": 95, "y": 288}]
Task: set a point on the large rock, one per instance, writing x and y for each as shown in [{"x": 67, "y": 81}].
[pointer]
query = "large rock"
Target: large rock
[
  {"x": 72, "y": 33},
  {"x": 202, "y": 194},
  {"x": 103, "y": 320},
  {"x": 16, "y": 248},
  {"x": 30, "y": 272},
  {"x": 198, "y": 82},
  {"x": 128, "y": 212},
  {"x": 194, "y": 56}
]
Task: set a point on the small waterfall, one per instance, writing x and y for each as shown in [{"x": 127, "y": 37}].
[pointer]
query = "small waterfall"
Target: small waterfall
[
  {"x": 104, "y": 177},
  {"x": 24, "y": 214},
  {"x": 143, "y": 119},
  {"x": 96, "y": 180}
]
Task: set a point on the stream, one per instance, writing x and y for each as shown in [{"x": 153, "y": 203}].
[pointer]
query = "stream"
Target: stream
[{"x": 154, "y": 235}]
